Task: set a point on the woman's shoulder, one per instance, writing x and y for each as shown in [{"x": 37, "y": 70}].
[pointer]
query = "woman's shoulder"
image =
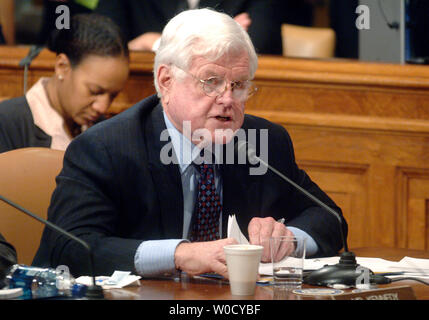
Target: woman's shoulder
[{"x": 15, "y": 108}]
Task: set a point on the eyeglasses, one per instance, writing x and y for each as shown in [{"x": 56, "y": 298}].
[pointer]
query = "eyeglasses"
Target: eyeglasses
[{"x": 216, "y": 86}]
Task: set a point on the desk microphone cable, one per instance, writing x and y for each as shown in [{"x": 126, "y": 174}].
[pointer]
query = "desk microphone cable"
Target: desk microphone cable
[
  {"x": 380, "y": 279},
  {"x": 410, "y": 278}
]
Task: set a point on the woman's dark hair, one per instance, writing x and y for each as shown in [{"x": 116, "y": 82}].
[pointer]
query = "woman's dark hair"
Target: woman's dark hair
[{"x": 89, "y": 34}]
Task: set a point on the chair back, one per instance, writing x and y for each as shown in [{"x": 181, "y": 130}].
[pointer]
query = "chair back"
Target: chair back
[
  {"x": 308, "y": 42},
  {"x": 27, "y": 177}
]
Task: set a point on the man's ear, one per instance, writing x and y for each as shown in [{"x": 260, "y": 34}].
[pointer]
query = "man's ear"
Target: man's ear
[
  {"x": 165, "y": 81},
  {"x": 62, "y": 66}
]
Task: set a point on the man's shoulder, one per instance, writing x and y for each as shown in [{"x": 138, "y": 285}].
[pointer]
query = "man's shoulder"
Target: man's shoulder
[
  {"x": 134, "y": 115},
  {"x": 143, "y": 107},
  {"x": 276, "y": 134},
  {"x": 140, "y": 109},
  {"x": 125, "y": 126}
]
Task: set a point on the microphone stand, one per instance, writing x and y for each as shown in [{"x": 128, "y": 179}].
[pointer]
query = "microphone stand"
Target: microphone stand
[
  {"x": 346, "y": 271},
  {"x": 32, "y": 54},
  {"x": 94, "y": 291}
]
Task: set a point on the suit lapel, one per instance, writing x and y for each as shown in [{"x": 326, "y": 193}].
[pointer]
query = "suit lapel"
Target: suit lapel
[
  {"x": 238, "y": 194},
  {"x": 166, "y": 177},
  {"x": 241, "y": 195}
]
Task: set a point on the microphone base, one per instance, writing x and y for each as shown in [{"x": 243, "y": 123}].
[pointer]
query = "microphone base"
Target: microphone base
[
  {"x": 94, "y": 292},
  {"x": 343, "y": 272}
]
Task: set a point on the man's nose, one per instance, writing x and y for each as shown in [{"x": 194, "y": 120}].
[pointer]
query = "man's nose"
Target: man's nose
[{"x": 227, "y": 96}]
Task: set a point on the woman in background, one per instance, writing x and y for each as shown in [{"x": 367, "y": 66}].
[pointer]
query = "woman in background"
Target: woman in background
[{"x": 91, "y": 68}]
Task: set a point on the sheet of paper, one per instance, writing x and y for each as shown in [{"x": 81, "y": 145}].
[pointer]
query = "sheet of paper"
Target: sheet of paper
[
  {"x": 119, "y": 279},
  {"x": 412, "y": 265},
  {"x": 234, "y": 230}
]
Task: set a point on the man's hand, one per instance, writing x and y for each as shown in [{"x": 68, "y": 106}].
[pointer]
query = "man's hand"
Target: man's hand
[
  {"x": 201, "y": 257},
  {"x": 261, "y": 229},
  {"x": 144, "y": 41}
]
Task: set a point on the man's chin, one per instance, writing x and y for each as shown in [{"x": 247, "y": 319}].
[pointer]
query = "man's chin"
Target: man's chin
[
  {"x": 223, "y": 136},
  {"x": 205, "y": 137}
]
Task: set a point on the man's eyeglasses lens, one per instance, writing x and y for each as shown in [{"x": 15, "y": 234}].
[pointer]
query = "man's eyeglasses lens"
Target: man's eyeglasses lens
[
  {"x": 215, "y": 86},
  {"x": 241, "y": 90}
]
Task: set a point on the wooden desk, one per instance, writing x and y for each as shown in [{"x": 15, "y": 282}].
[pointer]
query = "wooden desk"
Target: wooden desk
[{"x": 203, "y": 289}]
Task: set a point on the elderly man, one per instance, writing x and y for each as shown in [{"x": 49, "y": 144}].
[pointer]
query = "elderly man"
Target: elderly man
[{"x": 133, "y": 186}]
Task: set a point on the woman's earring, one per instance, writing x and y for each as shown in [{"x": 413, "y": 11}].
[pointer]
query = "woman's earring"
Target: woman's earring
[{"x": 60, "y": 77}]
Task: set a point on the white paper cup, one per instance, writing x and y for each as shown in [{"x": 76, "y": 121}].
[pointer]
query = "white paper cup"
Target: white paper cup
[{"x": 242, "y": 261}]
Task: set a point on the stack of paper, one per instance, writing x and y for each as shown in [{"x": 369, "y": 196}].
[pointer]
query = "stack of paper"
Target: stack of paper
[{"x": 411, "y": 267}]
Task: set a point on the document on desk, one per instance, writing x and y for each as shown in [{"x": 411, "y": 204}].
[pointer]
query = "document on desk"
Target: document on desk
[
  {"x": 411, "y": 267},
  {"x": 415, "y": 265},
  {"x": 235, "y": 232}
]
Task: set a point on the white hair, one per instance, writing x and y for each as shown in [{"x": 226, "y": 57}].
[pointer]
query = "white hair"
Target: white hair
[{"x": 202, "y": 32}]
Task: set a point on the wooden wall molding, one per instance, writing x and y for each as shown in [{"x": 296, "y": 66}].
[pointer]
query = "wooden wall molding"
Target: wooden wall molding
[
  {"x": 413, "y": 208},
  {"x": 347, "y": 185},
  {"x": 364, "y": 123}
]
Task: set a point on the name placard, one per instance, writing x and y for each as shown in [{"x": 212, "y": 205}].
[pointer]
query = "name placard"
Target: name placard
[{"x": 393, "y": 293}]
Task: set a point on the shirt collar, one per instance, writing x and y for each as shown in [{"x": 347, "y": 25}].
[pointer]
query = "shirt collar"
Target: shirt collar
[
  {"x": 184, "y": 149},
  {"x": 45, "y": 116}
]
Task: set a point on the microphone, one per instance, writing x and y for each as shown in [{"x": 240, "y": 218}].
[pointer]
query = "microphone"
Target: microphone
[
  {"x": 94, "y": 291},
  {"x": 347, "y": 271},
  {"x": 32, "y": 54}
]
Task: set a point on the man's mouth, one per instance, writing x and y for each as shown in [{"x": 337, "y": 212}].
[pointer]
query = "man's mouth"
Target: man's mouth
[{"x": 223, "y": 118}]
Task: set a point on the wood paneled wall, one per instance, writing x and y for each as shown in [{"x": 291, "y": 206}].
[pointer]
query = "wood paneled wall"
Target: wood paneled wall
[{"x": 361, "y": 131}]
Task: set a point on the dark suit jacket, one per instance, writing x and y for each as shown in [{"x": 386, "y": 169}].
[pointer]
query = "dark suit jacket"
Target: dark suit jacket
[
  {"x": 136, "y": 17},
  {"x": 17, "y": 128},
  {"x": 114, "y": 192},
  {"x": 7, "y": 259}
]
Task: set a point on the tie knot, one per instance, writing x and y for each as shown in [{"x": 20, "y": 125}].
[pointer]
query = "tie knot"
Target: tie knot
[
  {"x": 206, "y": 168},
  {"x": 205, "y": 157}
]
